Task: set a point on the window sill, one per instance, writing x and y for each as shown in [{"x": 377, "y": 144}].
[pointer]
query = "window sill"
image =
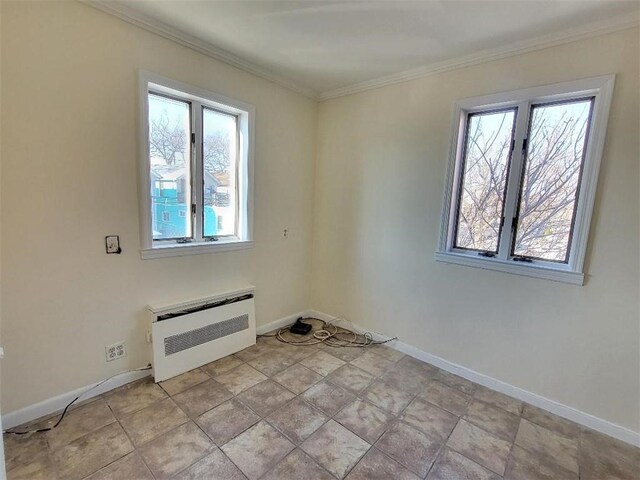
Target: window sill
[
  {"x": 536, "y": 271},
  {"x": 178, "y": 250}
]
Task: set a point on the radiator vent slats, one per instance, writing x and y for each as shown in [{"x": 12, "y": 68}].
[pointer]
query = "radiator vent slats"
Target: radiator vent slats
[{"x": 183, "y": 341}]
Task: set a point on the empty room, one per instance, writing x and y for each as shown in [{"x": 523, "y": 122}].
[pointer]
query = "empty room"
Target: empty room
[{"x": 320, "y": 239}]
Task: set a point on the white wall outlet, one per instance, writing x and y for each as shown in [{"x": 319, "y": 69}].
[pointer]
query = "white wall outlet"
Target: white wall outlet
[
  {"x": 148, "y": 337},
  {"x": 115, "y": 351}
]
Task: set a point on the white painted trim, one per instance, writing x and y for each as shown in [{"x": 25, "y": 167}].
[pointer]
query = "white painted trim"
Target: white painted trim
[
  {"x": 138, "y": 19},
  {"x": 280, "y": 323},
  {"x": 497, "y": 265},
  {"x": 53, "y": 405},
  {"x": 601, "y": 88},
  {"x": 178, "y": 250},
  {"x": 160, "y": 309},
  {"x": 608, "y": 428},
  {"x": 512, "y": 49},
  {"x": 246, "y": 122},
  {"x": 145, "y": 22}
]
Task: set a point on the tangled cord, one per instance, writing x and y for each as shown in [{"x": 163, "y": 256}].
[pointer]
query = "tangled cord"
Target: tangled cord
[
  {"x": 331, "y": 338},
  {"x": 64, "y": 412}
]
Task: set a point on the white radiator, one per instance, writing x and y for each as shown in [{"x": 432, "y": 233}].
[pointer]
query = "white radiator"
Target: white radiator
[{"x": 191, "y": 334}]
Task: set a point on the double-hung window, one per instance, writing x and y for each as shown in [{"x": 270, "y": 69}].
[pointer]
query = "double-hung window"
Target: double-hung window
[
  {"x": 522, "y": 179},
  {"x": 195, "y": 172}
]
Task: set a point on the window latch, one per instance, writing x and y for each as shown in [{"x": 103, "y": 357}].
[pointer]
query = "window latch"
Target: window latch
[
  {"x": 193, "y": 138},
  {"x": 487, "y": 254},
  {"x": 183, "y": 240},
  {"x": 522, "y": 259},
  {"x": 211, "y": 239},
  {"x": 193, "y": 209}
]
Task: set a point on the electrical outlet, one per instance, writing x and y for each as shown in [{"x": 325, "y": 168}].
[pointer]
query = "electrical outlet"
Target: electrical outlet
[
  {"x": 148, "y": 337},
  {"x": 115, "y": 351}
]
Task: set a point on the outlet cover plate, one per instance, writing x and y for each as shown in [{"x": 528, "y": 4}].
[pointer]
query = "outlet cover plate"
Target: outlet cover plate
[{"x": 115, "y": 351}]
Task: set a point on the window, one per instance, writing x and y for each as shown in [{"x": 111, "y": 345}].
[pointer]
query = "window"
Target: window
[
  {"x": 522, "y": 178},
  {"x": 195, "y": 169}
]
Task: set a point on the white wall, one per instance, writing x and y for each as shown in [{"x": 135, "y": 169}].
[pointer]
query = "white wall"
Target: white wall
[
  {"x": 380, "y": 172},
  {"x": 69, "y": 155}
]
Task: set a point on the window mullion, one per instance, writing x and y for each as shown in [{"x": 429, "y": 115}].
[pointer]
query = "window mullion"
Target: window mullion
[
  {"x": 197, "y": 178},
  {"x": 513, "y": 183}
]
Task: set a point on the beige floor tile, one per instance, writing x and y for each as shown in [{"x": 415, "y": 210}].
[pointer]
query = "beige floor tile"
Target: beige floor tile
[
  {"x": 258, "y": 450},
  {"x": 412, "y": 448},
  {"x": 77, "y": 423},
  {"x": 272, "y": 363},
  {"x": 386, "y": 352},
  {"x": 91, "y": 452},
  {"x": 174, "y": 451},
  {"x": 328, "y": 397},
  {"x": 221, "y": 366},
  {"x": 297, "y": 378},
  {"x": 152, "y": 421},
  {"x": 365, "y": 420},
  {"x": 372, "y": 363},
  {"x": 255, "y": 351},
  {"x": 480, "y": 446},
  {"x": 182, "y": 382},
  {"x": 351, "y": 378},
  {"x": 39, "y": 468},
  {"x": 498, "y": 399},
  {"x": 346, "y": 354},
  {"x": 298, "y": 466},
  {"x": 429, "y": 419},
  {"x": 523, "y": 466},
  {"x": 227, "y": 421},
  {"x": 265, "y": 397},
  {"x": 454, "y": 381},
  {"x": 335, "y": 448},
  {"x": 240, "y": 378},
  {"x": 375, "y": 465},
  {"x": 595, "y": 443},
  {"x": 387, "y": 397},
  {"x": 413, "y": 364},
  {"x": 407, "y": 379},
  {"x": 493, "y": 419},
  {"x": 202, "y": 397},
  {"x": 547, "y": 445},
  {"x": 322, "y": 362},
  {"x": 445, "y": 397},
  {"x": 297, "y": 420},
  {"x": 22, "y": 449},
  {"x": 214, "y": 466},
  {"x": 550, "y": 421},
  {"x": 451, "y": 465},
  {"x": 130, "y": 467},
  {"x": 134, "y": 396}
]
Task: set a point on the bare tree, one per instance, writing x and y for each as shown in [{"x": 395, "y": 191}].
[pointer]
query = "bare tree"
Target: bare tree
[
  {"x": 549, "y": 184},
  {"x": 217, "y": 152},
  {"x": 166, "y": 141}
]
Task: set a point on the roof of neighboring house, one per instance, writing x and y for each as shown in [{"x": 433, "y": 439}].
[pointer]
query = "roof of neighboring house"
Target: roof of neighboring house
[{"x": 172, "y": 173}]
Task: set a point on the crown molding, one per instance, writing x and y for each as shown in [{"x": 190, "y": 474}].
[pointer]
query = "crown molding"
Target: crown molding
[
  {"x": 516, "y": 48},
  {"x": 162, "y": 29}
]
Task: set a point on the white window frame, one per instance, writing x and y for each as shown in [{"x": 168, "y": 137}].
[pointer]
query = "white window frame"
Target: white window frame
[
  {"x": 150, "y": 248},
  {"x": 571, "y": 272}
]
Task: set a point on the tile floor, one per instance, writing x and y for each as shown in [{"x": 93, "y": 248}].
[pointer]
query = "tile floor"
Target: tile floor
[{"x": 276, "y": 411}]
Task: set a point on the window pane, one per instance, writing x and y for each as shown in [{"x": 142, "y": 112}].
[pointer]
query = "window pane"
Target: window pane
[
  {"x": 549, "y": 191},
  {"x": 220, "y": 201},
  {"x": 169, "y": 160},
  {"x": 486, "y": 164}
]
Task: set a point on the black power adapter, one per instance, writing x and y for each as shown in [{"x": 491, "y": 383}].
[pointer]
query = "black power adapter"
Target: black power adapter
[{"x": 300, "y": 328}]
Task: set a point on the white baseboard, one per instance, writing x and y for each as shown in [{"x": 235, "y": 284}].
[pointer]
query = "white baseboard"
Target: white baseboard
[
  {"x": 280, "y": 323},
  {"x": 56, "y": 404},
  {"x": 616, "y": 431}
]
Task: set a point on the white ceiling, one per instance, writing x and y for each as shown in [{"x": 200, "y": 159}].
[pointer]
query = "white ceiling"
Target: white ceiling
[{"x": 323, "y": 46}]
